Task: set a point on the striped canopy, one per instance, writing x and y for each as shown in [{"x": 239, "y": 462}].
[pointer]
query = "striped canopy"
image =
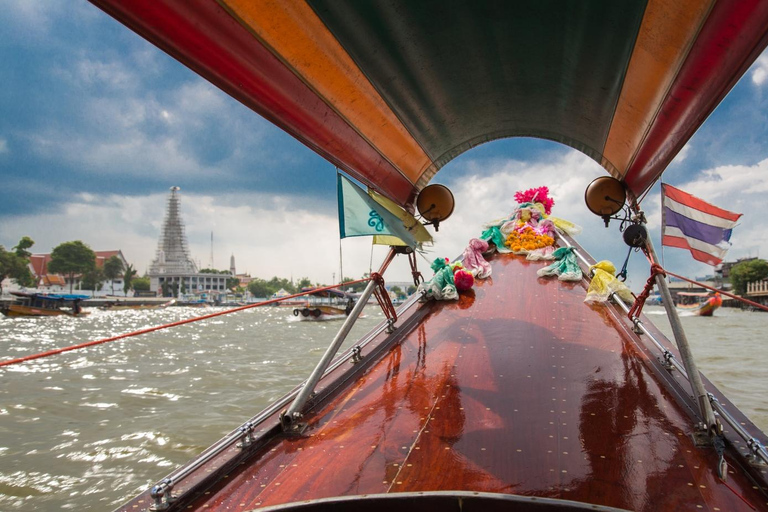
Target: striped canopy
[{"x": 392, "y": 90}]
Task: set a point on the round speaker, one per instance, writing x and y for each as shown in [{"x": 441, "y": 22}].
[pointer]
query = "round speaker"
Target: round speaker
[
  {"x": 435, "y": 203},
  {"x": 605, "y": 196}
]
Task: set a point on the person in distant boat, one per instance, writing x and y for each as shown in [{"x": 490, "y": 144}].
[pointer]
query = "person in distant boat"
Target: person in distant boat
[{"x": 76, "y": 309}]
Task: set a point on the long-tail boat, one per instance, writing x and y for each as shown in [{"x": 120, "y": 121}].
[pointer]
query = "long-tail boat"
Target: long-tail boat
[
  {"x": 518, "y": 396},
  {"x": 700, "y": 304},
  {"x": 325, "y": 305},
  {"x": 42, "y": 304}
]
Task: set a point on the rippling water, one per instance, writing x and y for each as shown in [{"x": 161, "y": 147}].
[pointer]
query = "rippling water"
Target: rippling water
[{"x": 86, "y": 430}]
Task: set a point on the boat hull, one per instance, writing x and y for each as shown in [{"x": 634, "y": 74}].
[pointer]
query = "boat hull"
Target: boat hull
[
  {"x": 517, "y": 388},
  {"x": 314, "y": 313},
  {"x": 16, "y": 310},
  {"x": 706, "y": 308}
]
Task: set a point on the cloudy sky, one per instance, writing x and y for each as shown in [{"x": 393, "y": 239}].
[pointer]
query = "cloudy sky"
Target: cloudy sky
[{"x": 96, "y": 125}]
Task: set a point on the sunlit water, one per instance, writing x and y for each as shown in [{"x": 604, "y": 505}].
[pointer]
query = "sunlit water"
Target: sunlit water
[{"x": 86, "y": 430}]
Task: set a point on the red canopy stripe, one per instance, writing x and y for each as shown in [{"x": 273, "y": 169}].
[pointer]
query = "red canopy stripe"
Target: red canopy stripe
[
  {"x": 734, "y": 34},
  {"x": 206, "y": 38}
]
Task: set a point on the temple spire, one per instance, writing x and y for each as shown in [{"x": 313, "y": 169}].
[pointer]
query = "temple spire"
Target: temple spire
[{"x": 172, "y": 255}]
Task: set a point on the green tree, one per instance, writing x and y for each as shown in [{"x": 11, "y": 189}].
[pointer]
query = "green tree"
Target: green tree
[
  {"x": 747, "y": 272},
  {"x": 72, "y": 258},
  {"x": 357, "y": 287},
  {"x": 280, "y": 282},
  {"x": 397, "y": 291},
  {"x": 411, "y": 290},
  {"x": 128, "y": 276},
  {"x": 304, "y": 282},
  {"x": 140, "y": 284},
  {"x": 260, "y": 288},
  {"x": 92, "y": 279},
  {"x": 21, "y": 248},
  {"x": 113, "y": 268},
  {"x": 16, "y": 267}
]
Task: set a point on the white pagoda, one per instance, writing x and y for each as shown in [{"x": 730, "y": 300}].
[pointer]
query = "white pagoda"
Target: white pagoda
[{"x": 173, "y": 271}]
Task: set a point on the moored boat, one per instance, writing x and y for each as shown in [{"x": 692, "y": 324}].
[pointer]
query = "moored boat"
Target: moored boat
[
  {"x": 39, "y": 304},
  {"x": 518, "y": 392}
]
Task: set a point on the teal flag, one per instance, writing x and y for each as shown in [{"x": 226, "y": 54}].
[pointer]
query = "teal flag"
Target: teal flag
[{"x": 360, "y": 215}]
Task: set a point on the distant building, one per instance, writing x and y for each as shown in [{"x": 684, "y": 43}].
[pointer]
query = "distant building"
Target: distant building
[
  {"x": 723, "y": 272},
  {"x": 244, "y": 279},
  {"x": 38, "y": 265},
  {"x": 173, "y": 271}
]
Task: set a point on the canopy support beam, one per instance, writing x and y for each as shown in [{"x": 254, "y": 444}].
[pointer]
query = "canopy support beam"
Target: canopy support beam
[
  {"x": 290, "y": 418},
  {"x": 694, "y": 377}
]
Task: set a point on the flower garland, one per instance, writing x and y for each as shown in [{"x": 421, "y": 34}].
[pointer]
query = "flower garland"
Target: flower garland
[
  {"x": 527, "y": 239},
  {"x": 536, "y": 195}
]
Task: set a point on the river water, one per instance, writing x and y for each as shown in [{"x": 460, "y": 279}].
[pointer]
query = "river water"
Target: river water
[{"x": 88, "y": 429}]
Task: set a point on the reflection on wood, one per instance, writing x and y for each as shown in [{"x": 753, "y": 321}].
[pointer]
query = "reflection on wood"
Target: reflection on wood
[{"x": 517, "y": 388}]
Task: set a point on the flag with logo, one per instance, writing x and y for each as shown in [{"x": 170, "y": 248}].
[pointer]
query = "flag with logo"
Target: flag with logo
[
  {"x": 414, "y": 227},
  {"x": 691, "y": 223},
  {"x": 361, "y": 215}
]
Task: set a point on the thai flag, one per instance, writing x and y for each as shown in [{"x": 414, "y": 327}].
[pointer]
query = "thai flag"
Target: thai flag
[{"x": 689, "y": 223}]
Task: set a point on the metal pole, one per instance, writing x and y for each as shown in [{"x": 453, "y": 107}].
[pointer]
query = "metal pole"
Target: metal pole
[
  {"x": 694, "y": 377},
  {"x": 294, "y": 411}
]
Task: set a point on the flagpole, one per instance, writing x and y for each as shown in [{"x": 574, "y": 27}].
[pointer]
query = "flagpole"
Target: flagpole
[
  {"x": 661, "y": 233},
  {"x": 341, "y": 235},
  {"x": 341, "y": 268}
]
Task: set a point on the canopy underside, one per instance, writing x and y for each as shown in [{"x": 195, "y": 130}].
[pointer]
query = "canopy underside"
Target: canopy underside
[{"x": 392, "y": 90}]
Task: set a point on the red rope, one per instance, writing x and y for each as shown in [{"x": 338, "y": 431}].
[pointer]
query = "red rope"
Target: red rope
[
  {"x": 742, "y": 299},
  {"x": 737, "y": 494},
  {"x": 166, "y": 326},
  {"x": 637, "y": 307}
]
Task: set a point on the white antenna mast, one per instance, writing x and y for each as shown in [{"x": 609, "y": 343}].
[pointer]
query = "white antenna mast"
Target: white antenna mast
[{"x": 211, "y": 262}]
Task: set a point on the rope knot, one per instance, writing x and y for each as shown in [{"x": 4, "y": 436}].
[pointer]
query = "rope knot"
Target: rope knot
[{"x": 637, "y": 307}]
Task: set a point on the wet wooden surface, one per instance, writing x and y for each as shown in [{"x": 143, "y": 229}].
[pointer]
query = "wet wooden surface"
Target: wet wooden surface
[{"x": 519, "y": 387}]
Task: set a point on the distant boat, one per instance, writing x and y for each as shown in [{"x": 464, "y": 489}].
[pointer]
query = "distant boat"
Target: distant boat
[
  {"x": 325, "y": 305},
  {"x": 38, "y": 304},
  {"x": 701, "y": 304}
]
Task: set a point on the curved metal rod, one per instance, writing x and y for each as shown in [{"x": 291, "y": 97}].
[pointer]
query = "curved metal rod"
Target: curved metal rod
[
  {"x": 755, "y": 445},
  {"x": 165, "y": 486}
]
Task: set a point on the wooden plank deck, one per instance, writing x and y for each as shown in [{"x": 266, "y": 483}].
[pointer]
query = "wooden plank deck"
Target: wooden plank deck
[{"x": 517, "y": 388}]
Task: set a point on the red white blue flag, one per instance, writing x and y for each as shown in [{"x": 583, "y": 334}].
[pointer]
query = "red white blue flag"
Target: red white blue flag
[{"x": 689, "y": 223}]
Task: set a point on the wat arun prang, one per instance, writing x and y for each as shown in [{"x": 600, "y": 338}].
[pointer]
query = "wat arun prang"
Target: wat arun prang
[{"x": 173, "y": 271}]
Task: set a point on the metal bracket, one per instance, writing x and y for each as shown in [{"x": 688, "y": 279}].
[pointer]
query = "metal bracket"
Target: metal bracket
[
  {"x": 162, "y": 494},
  {"x": 247, "y": 435},
  {"x": 667, "y": 361},
  {"x": 753, "y": 458},
  {"x": 391, "y": 326},
  {"x": 291, "y": 424},
  {"x": 357, "y": 355},
  {"x": 701, "y": 435}
]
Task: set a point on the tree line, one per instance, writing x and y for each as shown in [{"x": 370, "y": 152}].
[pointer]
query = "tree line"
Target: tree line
[
  {"x": 68, "y": 259},
  {"x": 75, "y": 258},
  {"x": 263, "y": 288}
]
